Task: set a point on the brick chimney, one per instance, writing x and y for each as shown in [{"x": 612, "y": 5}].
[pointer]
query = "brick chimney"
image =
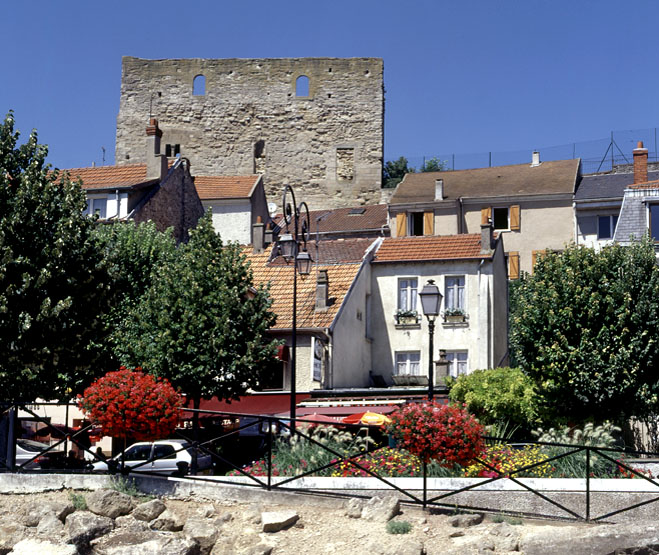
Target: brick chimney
[
  {"x": 156, "y": 163},
  {"x": 487, "y": 237},
  {"x": 258, "y": 236},
  {"x": 322, "y": 291},
  {"x": 640, "y": 163}
]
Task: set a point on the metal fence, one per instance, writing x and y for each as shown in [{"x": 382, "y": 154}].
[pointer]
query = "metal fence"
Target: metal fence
[
  {"x": 596, "y": 155},
  {"x": 271, "y": 429}
]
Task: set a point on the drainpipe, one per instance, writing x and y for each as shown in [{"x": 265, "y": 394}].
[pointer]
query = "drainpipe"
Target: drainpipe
[
  {"x": 576, "y": 224},
  {"x": 478, "y": 319}
]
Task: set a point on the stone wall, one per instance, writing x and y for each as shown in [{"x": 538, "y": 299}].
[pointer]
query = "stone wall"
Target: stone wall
[{"x": 325, "y": 139}]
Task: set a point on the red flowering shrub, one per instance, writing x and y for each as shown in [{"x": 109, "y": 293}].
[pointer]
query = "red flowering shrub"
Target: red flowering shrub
[
  {"x": 447, "y": 433},
  {"x": 129, "y": 403}
]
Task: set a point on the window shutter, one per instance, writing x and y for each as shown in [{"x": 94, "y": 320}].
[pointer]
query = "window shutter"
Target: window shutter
[
  {"x": 514, "y": 217},
  {"x": 486, "y": 214},
  {"x": 534, "y": 257},
  {"x": 401, "y": 224},
  {"x": 513, "y": 265},
  {"x": 429, "y": 223}
]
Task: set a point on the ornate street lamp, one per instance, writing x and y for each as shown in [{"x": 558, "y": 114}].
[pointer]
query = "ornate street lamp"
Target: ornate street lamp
[
  {"x": 431, "y": 300},
  {"x": 296, "y": 218}
]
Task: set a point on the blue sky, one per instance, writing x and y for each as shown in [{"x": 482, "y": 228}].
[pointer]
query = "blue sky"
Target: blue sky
[{"x": 460, "y": 77}]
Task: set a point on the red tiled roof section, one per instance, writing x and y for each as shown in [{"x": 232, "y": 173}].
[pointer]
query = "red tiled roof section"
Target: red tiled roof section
[
  {"x": 280, "y": 279},
  {"x": 646, "y": 185},
  {"x": 220, "y": 187},
  {"x": 337, "y": 251},
  {"x": 104, "y": 177},
  {"x": 349, "y": 219},
  {"x": 432, "y": 247}
]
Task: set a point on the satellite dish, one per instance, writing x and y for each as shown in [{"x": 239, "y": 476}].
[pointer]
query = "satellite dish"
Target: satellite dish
[{"x": 272, "y": 209}]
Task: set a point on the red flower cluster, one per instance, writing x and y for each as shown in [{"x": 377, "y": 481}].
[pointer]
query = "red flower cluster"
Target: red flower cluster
[
  {"x": 129, "y": 403},
  {"x": 446, "y": 433}
]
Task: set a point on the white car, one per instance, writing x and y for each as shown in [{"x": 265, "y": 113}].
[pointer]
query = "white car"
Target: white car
[
  {"x": 27, "y": 449},
  {"x": 167, "y": 456}
]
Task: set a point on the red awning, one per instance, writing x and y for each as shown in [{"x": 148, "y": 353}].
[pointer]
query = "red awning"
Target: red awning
[{"x": 268, "y": 404}]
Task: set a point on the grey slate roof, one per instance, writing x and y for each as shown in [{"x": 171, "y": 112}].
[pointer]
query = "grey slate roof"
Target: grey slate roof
[{"x": 604, "y": 186}]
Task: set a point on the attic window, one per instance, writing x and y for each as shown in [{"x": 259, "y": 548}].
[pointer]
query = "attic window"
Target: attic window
[
  {"x": 199, "y": 86},
  {"x": 356, "y": 211},
  {"x": 172, "y": 150}
]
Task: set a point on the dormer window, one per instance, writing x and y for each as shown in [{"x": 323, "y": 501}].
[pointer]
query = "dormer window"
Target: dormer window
[{"x": 172, "y": 151}]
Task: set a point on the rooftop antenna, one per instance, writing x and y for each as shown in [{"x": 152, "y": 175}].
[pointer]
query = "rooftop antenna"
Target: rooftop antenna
[{"x": 103, "y": 149}]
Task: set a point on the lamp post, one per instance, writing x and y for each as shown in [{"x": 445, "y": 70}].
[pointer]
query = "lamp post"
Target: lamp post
[
  {"x": 431, "y": 300},
  {"x": 297, "y": 231}
]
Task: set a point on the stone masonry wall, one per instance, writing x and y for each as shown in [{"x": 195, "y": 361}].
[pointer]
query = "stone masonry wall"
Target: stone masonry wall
[{"x": 327, "y": 144}]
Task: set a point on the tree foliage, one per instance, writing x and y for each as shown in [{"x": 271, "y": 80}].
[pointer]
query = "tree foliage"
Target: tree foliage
[
  {"x": 585, "y": 327},
  {"x": 394, "y": 171},
  {"x": 202, "y": 324},
  {"x": 497, "y": 395},
  {"x": 53, "y": 286},
  {"x": 130, "y": 404},
  {"x": 434, "y": 164}
]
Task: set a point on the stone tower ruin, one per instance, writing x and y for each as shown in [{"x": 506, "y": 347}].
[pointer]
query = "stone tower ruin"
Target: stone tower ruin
[{"x": 314, "y": 123}]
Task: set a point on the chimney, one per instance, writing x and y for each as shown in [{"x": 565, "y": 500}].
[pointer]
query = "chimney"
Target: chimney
[
  {"x": 156, "y": 163},
  {"x": 640, "y": 163},
  {"x": 487, "y": 237},
  {"x": 322, "y": 291},
  {"x": 439, "y": 189},
  {"x": 269, "y": 236},
  {"x": 258, "y": 235},
  {"x": 535, "y": 159}
]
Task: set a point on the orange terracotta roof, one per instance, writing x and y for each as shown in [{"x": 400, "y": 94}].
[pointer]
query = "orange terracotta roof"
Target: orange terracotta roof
[
  {"x": 225, "y": 186},
  {"x": 646, "y": 185},
  {"x": 103, "y": 177},
  {"x": 280, "y": 279},
  {"x": 432, "y": 247}
]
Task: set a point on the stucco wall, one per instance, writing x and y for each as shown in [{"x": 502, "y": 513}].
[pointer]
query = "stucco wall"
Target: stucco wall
[
  {"x": 472, "y": 337},
  {"x": 328, "y": 144},
  {"x": 232, "y": 220},
  {"x": 547, "y": 224}
]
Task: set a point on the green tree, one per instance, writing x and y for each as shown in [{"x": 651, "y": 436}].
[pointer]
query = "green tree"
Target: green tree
[
  {"x": 394, "y": 171},
  {"x": 585, "y": 327},
  {"x": 434, "y": 164},
  {"x": 202, "y": 324},
  {"x": 53, "y": 286}
]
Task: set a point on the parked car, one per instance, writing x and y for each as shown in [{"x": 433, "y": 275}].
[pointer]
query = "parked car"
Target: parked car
[
  {"x": 27, "y": 449},
  {"x": 168, "y": 456}
]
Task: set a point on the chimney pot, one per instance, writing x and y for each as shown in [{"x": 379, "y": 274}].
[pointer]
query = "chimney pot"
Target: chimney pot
[
  {"x": 439, "y": 189},
  {"x": 487, "y": 237},
  {"x": 535, "y": 159},
  {"x": 322, "y": 290},
  {"x": 640, "y": 163},
  {"x": 258, "y": 236},
  {"x": 156, "y": 163}
]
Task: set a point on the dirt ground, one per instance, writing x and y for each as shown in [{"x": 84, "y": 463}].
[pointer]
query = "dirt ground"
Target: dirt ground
[{"x": 327, "y": 529}]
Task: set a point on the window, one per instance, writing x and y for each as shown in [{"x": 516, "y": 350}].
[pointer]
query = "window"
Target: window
[
  {"x": 457, "y": 363},
  {"x": 172, "y": 150},
  {"x": 415, "y": 223},
  {"x": 97, "y": 206},
  {"x": 199, "y": 86},
  {"x": 654, "y": 221},
  {"x": 302, "y": 86},
  {"x": 500, "y": 218},
  {"x": 408, "y": 363},
  {"x": 407, "y": 288},
  {"x": 454, "y": 298},
  {"x": 606, "y": 226},
  {"x": 138, "y": 453},
  {"x": 164, "y": 451},
  {"x": 345, "y": 164}
]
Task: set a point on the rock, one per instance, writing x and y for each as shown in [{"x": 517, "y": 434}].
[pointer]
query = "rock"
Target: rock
[
  {"x": 206, "y": 511},
  {"x": 505, "y": 537},
  {"x": 201, "y": 531},
  {"x": 594, "y": 539},
  {"x": 381, "y": 509},
  {"x": 84, "y": 526},
  {"x": 130, "y": 524},
  {"x": 278, "y": 520},
  {"x": 226, "y": 517},
  {"x": 408, "y": 547},
  {"x": 456, "y": 534},
  {"x": 465, "y": 521},
  {"x": 149, "y": 510},
  {"x": 258, "y": 549},
  {"x": 109, "y": 503},
  {"x": 167, "y": 521},
  {"x": 32, "y": 546},
  {"x": 253, "y": 515},
  {"x": 60, "y": 509},
  {"x": 143, "y": 543},
  {"x": 354, "y": 508},
  {"x": 11, "y": 533},
  {"x": 49, "y": 525}
]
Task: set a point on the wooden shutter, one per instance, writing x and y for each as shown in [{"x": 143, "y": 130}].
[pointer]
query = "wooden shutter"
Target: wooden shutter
[
  {"x": 534, "y": 257},
  {"x": 513, "y": 265},
  {"x": 486, "y": 214},
  {"x": 429, "y": 223},
  {"x": 514, "y": 217},
  {"x": 401, "y": 224}
]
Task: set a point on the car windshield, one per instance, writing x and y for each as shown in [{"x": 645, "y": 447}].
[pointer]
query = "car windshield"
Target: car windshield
[{"x": 33, "y": 446}]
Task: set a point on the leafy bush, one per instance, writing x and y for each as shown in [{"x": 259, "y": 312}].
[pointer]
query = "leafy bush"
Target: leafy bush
[
  {"x": 130, "y": 403},
  {"x": 499, "y": 394},
  {"x": 507, "y": 459},
  {"x": 574, "y": 466},
  {"x": 398, "y": 527},
  {"x": 78, "y": 501},
  {"x": 448, "y": 434}
]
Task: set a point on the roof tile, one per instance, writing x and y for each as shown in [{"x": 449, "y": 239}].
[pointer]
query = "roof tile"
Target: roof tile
[
  {"x": 225, "y": 186},
  {"x": 103, "y": 177},
  {"x": 432, "y": 247}
]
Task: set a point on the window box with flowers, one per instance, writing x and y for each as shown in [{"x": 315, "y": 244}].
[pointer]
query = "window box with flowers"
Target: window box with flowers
[
  {"x": 406, "y": 317},
  {"x": 455, "y": 316}
]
